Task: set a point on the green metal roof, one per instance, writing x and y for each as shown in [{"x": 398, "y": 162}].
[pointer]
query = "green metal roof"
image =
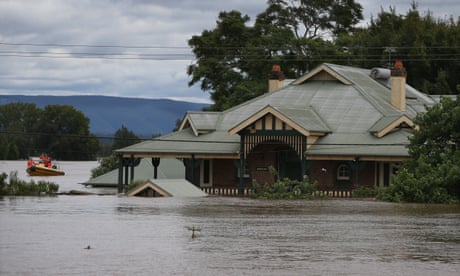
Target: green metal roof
[
  {"x": 307, "y": 118},
  {"x": 348, "y": 111},
  {"x": 384, "y": 122},
  {"x": 184, "y": 142},
  {"x": 362, "y": 144}
]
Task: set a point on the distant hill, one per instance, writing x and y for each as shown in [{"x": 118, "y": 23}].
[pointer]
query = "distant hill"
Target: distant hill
[{"x": 144, "y": 117}]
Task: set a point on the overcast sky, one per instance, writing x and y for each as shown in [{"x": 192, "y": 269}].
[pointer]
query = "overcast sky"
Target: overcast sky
[{"x": 150, "y": 60}]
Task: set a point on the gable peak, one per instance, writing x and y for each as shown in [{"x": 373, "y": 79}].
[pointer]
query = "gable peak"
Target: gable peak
[{"x": 323, "y": 72}]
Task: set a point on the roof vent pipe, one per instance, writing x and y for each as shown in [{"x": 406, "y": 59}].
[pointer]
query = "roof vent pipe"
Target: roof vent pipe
[
  {"x": 275, "y": 78},
  {"x": 398, "y": 86}
]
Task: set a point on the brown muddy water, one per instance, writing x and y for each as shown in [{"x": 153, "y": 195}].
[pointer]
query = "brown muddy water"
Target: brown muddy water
[{"x": 145, "y": 236}]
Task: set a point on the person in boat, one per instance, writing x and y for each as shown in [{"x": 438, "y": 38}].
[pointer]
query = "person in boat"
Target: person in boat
[
  {"x": 46, "y": 160},
  {"x": 30, "y": 163}
]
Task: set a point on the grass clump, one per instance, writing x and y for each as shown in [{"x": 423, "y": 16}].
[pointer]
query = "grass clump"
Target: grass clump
[{"x": 17, "y": 187}]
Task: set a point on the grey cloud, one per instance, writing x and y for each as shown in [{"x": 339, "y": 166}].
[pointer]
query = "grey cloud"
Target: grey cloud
[{"x": 121, "y": 23}]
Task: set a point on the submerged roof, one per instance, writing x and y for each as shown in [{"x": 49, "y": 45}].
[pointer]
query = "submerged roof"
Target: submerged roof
[
  {"x": 345, "y": 104},
  {"x": 169, "y": 188}
]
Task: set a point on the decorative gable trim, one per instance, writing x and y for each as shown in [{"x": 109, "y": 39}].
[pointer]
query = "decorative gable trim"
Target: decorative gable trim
[
  {"x": 322, "y": 72},
  {"x": 148, "y": 185},
  {"x": 260, "y": 120},
  {"x": 200, "y": 122},
  {"x": 386, "y": 128},
  {"x": 187, "y": 122}
]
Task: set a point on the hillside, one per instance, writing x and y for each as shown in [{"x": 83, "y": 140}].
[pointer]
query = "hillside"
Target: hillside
[{"x": 144, "y": 117}]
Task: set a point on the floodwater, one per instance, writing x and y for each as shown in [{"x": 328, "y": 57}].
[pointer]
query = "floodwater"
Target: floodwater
[{"x": 238, "y": 236}]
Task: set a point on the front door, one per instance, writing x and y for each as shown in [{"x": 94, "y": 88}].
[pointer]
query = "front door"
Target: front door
[{"x": 288, "y": 164}]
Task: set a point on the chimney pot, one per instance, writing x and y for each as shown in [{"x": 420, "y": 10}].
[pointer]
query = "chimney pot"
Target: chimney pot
[
  {"x": 276, "y": 74},
  {"x": 398, "y": 86},
  {"x": 398, "y": 64},
  {"x": 398, "y": 70},
  {"x": 275, "y": 78}
]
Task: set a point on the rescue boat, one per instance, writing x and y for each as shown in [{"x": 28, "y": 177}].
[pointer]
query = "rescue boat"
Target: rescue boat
[{"x": 43, "y": 167}]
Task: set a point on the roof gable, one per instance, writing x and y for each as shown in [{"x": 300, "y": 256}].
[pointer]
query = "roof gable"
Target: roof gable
[
  {"x": 169, "y": 188},
  {"x": 390, "y": 123},
  {"x": 200, "y": 122},
  {"x": 304, "y": 121},
  {"x": 322, "y": 72}
]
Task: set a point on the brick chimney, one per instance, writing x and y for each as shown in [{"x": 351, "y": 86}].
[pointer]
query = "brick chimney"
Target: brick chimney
[
  {"x": 398, "y": 86},
  {"x": 275, "y": 78}
]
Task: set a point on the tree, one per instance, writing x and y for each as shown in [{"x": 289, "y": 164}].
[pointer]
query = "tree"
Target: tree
[
  {"x": 314, "y": 18},
  {"x": 234, "y": 59},
  {"x": 62, "y": 131},
  {"x": 18, "y": 125},
  {"x": 428, "y": 46},
  {"x": 65, "y": 133},
  {"x": 433, "y": 174},
  {"x": 123, "y": 138},
  {"x": 106, "y": 165},
  {"x": 220, "y": 54}
]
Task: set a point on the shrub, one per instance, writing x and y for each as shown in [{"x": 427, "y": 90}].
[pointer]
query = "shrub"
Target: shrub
[
  {"x": 406, "y": 187},
  {"x": 17, "y": 187},
  {"x": 362, "y": 192},
  {"x": 285, "y": 189}
]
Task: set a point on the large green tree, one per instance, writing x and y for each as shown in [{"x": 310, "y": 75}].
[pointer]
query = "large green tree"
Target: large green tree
[
  {"x": 59, "y": 130},
  {"x": 433, "y": 174},
  {"x": 429, "y": 47},
  {"x": 234, "y": 59},
  {"x": 220, "y": 54},
  {"x": 65, "y": 134},
  {"x": 18, "y": 126}
]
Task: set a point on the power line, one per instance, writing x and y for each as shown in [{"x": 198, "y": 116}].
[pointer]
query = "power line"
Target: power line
[
  {"x": 184, "y": 57},
  {"x": 92, "y": 46},
  {"x": 219, "y": 52},
  {"x": 187, "y": 47},
  {"x": 247, "y": 58}
]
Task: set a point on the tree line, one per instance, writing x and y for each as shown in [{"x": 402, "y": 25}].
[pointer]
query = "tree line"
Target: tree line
[
  {"x": 233, "y": 59},
  {"x": 61, "y": 131}
]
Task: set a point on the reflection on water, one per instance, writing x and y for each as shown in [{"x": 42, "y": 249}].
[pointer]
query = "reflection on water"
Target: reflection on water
[{"x": 127, "y": 236}]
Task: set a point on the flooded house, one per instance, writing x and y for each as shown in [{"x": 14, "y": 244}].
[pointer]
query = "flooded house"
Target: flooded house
[{"x": 341, "y": 126}]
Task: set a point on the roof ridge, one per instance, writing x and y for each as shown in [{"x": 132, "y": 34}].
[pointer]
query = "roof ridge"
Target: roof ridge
[
  {"x": 374, "y": 102},
  {"x": 208, "y": 112}
]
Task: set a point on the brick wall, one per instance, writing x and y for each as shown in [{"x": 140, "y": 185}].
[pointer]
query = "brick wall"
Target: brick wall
[{"x": 224, "y": 172}]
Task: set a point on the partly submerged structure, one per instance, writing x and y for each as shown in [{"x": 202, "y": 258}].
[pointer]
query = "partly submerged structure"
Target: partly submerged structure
[
  {"x": 341, "y": 126},
  {"x": 170, "y": 168},
  {"x": 166, "y": 188}
]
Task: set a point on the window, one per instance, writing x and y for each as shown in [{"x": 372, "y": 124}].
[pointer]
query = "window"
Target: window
[
  {"x": 246, "y": 171},
  {"x": 206, "y": 173},
  {"x": 343, "y": 172}
]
